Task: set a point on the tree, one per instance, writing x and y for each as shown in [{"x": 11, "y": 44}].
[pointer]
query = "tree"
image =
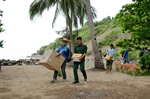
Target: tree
[
  {"x": 1, "y": 29},
  {"x": 97, "y": 59},
  {"x": 135, "y": 19},
  {"x": 72, "y": 10},
  {"x": 67, "y": 8}
]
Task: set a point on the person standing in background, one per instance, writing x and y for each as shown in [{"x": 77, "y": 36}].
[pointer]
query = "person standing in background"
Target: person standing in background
[{"x": 109, "y": 63}]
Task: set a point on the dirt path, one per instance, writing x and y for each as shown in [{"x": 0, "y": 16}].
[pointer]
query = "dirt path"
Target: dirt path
[{"x": 32, "y": 82}]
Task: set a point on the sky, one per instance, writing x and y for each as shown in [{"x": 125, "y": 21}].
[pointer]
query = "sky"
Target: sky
[{"x": 23, "y": 37}]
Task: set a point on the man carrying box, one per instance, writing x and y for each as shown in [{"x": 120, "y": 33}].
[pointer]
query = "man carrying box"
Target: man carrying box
[
  {"x": 64, "y": 51},
  {"x": 79, "y": 49}
]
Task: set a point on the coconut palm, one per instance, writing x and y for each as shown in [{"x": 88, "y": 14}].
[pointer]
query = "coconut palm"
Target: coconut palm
[
  {"x": 98, "y": 60},
  {"x": 72, "y": 10},
  {"x": 1, "y": 29}
]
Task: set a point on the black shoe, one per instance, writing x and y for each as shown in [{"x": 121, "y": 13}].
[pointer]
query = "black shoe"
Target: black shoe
[
  {"x": 75, "y": 82},
  {"x": 85, "y": 79}
]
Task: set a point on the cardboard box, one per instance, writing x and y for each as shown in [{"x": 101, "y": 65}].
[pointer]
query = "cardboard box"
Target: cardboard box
[
  {"x": 76, "y": 57},
  {"x": 50, "y": 61}
]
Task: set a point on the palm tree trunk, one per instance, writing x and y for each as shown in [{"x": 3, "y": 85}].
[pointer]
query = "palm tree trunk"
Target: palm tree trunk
[
  {"x": 71, "y": 36},
  {"x": 98, "y": 62},
  {"x": 71, "y": 45}
]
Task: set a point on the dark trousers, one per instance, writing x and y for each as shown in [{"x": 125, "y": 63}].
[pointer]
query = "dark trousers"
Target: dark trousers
[
  {"x": 109, "y": 64},
  {"x": 63, "y": 71},
  {"x": 75, "y": 69},
  {"x": 126, "y": 60}
]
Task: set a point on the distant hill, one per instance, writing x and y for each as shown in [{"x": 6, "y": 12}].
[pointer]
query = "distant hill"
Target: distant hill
[{"x": 108, "y": 31}]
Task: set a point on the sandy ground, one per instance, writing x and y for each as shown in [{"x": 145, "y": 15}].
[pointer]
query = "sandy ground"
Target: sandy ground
[{"x": 32, "y": 82}]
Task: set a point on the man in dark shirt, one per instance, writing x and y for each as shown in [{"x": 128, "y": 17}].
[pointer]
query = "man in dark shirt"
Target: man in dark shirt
[{"x": 80, "y": 49}]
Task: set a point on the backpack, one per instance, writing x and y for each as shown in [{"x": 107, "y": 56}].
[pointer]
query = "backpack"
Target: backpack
[
  {"x": 69, "y": 56},
  {"x": 123, "y": 53}
]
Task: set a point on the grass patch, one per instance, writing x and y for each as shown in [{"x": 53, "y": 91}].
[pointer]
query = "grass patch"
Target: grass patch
[{"x": 112, "y": 36}]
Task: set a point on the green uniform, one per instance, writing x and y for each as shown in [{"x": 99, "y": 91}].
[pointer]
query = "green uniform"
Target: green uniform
[{"x": 81, "y": 49}]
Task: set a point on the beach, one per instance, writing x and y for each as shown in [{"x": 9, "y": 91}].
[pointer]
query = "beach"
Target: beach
[{"x": 32, "y": 82}]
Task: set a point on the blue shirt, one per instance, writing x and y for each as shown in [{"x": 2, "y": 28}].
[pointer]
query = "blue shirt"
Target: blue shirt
[
  {"x": 65, "y": 52},
  {"x": 126, "y": 53},
  {"x": 145, "y": 51},
  {"x": 111, "y": 52}
]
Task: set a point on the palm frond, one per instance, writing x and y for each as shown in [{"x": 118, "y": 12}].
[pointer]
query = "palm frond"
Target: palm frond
[
  {"x": 56, "y": 14},
  {"x": 94, "y": 15},
  {"x": 1, "y": 43},
  {"x": 34, "y": 9},
  {"x": 37, "y": 7}
]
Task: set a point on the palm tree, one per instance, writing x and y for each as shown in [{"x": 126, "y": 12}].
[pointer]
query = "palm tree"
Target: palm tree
[
  {"x": 1, "y": 29},
  {"x": 73, "y": 10},
  {"x": 97, "y": 59}
]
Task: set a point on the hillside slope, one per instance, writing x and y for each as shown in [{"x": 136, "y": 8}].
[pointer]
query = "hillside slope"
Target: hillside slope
[{"x": 107, "y": 31}]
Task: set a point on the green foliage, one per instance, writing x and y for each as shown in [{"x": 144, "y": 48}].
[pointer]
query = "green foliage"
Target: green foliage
[
  {"x": 1, "y": 29},
  {"x": 1, "y": 43},
  {"x": 117, "y": 68},
  {"x": 134, "y": 54},
  {"x": 117, "y": 54},
  {"x": 125, "y": 43},
  {"x": 137, "y": 73},
  {"x": 134, "y": 18},
  {"x": 145, "y": 61},
  {"x": 88, "y": 53},
  {"x": 41, "y": 50},
  {"x": 85, "y": 35},
  {"x": 104, "y": 25},
  {"x": 123, "y": 71},
  {"x": 52, "y": 46},
  {"x": 84, "y": 32},
  {"x": 59, "y": 73},
  {"x": 146, "y": 72},
  {"x": 129, "y": 72},
  {"x": 113, "y": 35},
  {"x": 100, "y": 27}
]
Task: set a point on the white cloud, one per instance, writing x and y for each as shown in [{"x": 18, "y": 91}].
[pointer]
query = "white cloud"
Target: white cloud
[{"x": 24, "y": 37}]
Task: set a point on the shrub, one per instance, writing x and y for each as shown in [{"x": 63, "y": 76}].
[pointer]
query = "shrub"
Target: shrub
[
  {"x": 123, "y": 71},
  {"x": 137, "y": 73},
  {"x": 145, "y": 61},
  {"x": 117, "y": 68},
  {"x": 134, "y": 54},
  {"x": 88, "y": 53},
  {"x": 109, "y": 38},
  {"x": 129, "y": 72},
  {"x": 117, "y": 54}
]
